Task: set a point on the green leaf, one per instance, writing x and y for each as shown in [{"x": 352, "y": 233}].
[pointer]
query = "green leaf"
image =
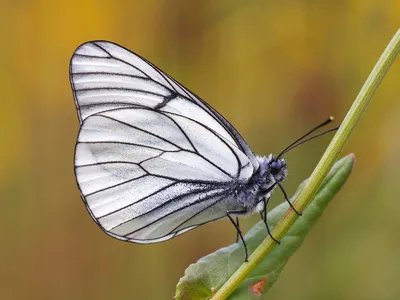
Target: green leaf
[{"x": 211, "y": 272}]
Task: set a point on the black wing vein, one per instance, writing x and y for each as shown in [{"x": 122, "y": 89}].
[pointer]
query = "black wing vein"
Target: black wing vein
[
  {"x": 175, "y": 211},
  {"x": 169, "y": 202}
]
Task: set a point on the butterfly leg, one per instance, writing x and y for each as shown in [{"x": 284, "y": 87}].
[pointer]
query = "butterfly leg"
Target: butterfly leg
[
  {"x": 264, "y": 218},
  {"x": 287, "y": 199},
  {"x": 239, "y": 233}
]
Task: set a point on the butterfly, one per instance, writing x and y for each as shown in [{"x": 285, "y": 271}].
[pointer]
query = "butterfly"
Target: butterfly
[{"x": 152, "y": 159}]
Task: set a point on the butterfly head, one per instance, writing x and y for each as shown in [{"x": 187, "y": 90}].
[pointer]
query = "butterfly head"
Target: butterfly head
[{"x": 277, "y": 167}]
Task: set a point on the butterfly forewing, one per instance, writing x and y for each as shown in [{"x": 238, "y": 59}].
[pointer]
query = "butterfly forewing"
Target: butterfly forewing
[{"x": 152, "y": 159}]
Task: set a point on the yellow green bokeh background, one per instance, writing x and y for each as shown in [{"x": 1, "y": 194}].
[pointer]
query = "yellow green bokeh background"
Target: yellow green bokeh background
[{"x": 273, "y": 68}]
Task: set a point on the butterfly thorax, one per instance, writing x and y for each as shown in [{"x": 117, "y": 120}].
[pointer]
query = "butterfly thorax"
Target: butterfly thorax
[{"x": 251, "y": 194}]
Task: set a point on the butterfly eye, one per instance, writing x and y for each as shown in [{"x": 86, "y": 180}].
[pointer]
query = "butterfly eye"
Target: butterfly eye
[{"x": 275, "y": 168}]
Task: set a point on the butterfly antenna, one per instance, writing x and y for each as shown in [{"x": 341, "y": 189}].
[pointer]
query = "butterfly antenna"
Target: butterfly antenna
[
  {"x": 294, "y": 144},
  {"x": 311, "y": 138}
]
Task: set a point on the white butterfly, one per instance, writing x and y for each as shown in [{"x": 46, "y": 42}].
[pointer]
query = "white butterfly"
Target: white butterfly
[{"x": 152, "y": 159}]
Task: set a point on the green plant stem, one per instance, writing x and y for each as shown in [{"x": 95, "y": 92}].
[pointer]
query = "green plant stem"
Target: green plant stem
[{"x": 328, "y": 159}]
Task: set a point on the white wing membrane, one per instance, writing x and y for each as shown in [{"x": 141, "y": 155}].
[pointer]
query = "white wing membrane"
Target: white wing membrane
[
  {"x": 94, "y": 178},
  {"x": 110, "y": 199},
  {"x": 160, "y": 223},
  {"x": 106, "y": 152},
  {"x": 172, "y": 195},
  {"x": 152, "y": 159},
  {"x": 104, "y": 129}
]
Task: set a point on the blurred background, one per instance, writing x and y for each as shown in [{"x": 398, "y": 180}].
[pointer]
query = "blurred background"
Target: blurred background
[{"x": 273, "y": 68}]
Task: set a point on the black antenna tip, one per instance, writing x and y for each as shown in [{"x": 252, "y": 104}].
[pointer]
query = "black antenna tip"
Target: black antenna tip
[{"x": 330, "y": 119}]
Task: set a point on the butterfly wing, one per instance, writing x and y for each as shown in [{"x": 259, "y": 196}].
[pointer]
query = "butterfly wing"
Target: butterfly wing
[{"x": 152, "y": 160}]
